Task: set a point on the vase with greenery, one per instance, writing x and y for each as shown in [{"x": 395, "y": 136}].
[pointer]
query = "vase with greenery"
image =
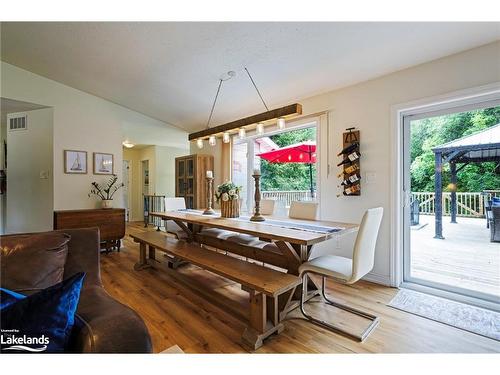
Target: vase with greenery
[
  {"x": 228, "y": 195},
  {"x": 106, "y": 191}
]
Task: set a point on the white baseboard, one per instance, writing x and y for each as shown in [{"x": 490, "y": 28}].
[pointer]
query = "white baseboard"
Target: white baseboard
[{"x": 378, "y": 278}]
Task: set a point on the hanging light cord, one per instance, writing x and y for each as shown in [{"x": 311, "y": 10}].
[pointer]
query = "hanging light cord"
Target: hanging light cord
[
  {"x": 258, "y": 92},
  {"x": 218, "y": 91},
  {"x": 215, "y": 101}
]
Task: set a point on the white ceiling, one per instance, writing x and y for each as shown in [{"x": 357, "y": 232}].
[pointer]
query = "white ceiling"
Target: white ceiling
[{"x": 170, "y": 71}]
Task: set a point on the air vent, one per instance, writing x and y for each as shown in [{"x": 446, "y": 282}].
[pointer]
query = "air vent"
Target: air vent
[{"x": 18, "y": 123}]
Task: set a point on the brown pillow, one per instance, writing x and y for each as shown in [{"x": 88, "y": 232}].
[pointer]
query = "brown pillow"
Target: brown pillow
[{"x": 32, "y": 261}]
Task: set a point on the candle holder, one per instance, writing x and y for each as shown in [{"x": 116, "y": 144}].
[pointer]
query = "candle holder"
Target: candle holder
[
  {"x": 257, "y": 216},
  {"x": 210, "y": 193}
]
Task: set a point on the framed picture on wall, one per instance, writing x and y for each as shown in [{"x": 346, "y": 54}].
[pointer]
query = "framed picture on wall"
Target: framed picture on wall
[
  {"x": 75, "y": 161},
  {"x": 103, "y": 163}
]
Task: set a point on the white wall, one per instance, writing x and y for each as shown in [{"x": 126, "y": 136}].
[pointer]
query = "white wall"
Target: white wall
[
  {"x": 30, "y": 195},
  {"x": 165, "y": 169},
  {"x": 81, "y": 122},
  {"x": 367, "y": 106}
]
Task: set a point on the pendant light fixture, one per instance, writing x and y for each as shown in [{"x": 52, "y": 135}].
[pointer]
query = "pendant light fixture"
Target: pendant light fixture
[
  {"x": 257, "y": 122},
  {"x": 242, "y": 133},
  {"x": 212, "y": 141},
  {"x": 281, "y": 123}
]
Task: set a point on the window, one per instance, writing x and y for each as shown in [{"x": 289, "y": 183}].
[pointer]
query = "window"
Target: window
[{"x": 284, "y": 180}]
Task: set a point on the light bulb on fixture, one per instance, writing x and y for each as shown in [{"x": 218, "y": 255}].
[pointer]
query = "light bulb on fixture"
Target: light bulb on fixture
[
  {"x": 128, "y": 144},
  {"x": 260, "y": 128},
  {"x": 242, "y": 133},
  {"x": 212, "y": 141},
  {"x": 225, "y": 137},
  {"x": 281, "y": 123},
  {"x": 199, "y": 143}
]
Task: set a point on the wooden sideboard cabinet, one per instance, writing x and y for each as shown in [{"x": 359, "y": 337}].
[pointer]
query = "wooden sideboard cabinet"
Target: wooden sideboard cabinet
[
  {"x": 110, "y": 221},
  {"x": 190, "y": 179}
]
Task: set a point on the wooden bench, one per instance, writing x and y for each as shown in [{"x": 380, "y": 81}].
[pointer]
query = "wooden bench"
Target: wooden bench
[{"x": 267, "y": 287}]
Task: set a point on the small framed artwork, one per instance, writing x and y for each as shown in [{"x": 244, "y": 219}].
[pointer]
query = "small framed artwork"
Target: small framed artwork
[
  {"x": 75, "y": 161},
  {"x": 103, "y": 163}
]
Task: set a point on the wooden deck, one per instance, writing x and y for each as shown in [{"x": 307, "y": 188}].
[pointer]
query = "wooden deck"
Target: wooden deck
[
  {"x": 177, "y": 313},
  {"x": 465, "y": 258}
]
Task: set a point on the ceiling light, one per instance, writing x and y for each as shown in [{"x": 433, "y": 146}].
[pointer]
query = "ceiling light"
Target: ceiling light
[
  {"x": 199, "y": 143},
  {"x": 281, "y": 123},
  {"x": 128, "y": 144},
  {"x": 225, "y": 137},
  {"x": 260, "y": 128},
  {"x": 242, "y": 133},
  {"x": 212, "y": 141}
]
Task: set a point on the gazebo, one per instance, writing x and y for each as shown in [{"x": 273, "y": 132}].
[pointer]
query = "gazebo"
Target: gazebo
[{"x": 479, "y": 147}]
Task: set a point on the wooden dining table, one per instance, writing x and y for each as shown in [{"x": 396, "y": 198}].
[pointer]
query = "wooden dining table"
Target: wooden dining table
[{"x": 293, "y": 241}]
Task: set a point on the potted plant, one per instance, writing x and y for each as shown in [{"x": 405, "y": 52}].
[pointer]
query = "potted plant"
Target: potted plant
[
  {"x": 228, "y": 195},
  {"x": 107, "y": 191}
]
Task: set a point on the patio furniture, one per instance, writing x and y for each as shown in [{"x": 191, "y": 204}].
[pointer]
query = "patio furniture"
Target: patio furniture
[
  {"x": 495, "y": 224},
  {"x": 415, "y": 212},
  {"x": 346, "y": 271},
  {"x": 487, "y": 211},
  {"x": 480, "y": 147}
]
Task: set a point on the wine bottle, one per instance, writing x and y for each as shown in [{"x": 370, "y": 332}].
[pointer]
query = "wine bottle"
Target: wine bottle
[
  {"x": 352, "y": 190},
  {"x": 352, "y": 179},
  {"x": 350, "y": 158},
  {"x": 348, "y": 149},
  {"x": 348, "y": 170}
]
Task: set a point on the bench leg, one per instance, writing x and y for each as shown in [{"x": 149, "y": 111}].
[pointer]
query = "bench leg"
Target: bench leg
[
  {"x": 259, "y": 328},
  {"x": 143, "y": 262}
]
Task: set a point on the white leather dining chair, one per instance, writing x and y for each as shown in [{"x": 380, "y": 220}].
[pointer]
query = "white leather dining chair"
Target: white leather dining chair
[
  {"x": 267, "y": 207},
  {"x": 174, "y": 204},
  {"x": 346, "y": 271},
  {"x": 303, "y": 210}
]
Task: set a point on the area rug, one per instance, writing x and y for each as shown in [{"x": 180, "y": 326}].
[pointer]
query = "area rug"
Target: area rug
[{"x": 469, "y": 318}]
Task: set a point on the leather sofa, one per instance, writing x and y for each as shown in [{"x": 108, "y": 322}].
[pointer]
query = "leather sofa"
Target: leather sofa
[{"x": 104, "y": 325}]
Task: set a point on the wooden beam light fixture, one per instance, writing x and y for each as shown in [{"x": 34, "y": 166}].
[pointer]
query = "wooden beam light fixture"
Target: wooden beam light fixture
[{"x": 267, "y": 118}]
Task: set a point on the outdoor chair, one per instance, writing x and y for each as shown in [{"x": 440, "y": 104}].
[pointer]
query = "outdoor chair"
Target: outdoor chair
[{"x": 494, "y": 223}]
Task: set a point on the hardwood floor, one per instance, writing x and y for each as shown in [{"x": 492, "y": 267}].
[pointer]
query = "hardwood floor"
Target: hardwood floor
[{"x": 177, "y": 312}]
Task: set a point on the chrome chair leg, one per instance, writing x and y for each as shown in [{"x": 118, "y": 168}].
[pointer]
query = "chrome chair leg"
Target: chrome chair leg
[{"x": 374, "y": 320}]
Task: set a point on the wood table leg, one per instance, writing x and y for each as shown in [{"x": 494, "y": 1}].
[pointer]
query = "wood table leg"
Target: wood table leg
[
  {"x": 152, "y": 252},
  {"x": 143, "y": 262}
]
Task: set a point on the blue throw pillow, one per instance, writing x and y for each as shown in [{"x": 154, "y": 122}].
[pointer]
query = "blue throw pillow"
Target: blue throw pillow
[
  {"x": 495, "y": 202},
  {"x": 41, "y": 322},
  {"x": 8, "y": 297}
]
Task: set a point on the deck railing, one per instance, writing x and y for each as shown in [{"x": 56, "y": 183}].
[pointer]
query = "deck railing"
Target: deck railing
[
  {"x": 288, "y": 196},
  {"x": 468, "y": 204}
]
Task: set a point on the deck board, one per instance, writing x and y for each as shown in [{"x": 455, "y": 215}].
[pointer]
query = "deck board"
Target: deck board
[{"x": 465, "y": 258}]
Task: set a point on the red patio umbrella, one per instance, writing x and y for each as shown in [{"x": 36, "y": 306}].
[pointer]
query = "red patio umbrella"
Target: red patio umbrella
[{"x": 304, "y": 152}]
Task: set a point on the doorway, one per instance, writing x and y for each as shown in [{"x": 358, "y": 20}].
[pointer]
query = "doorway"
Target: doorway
[{"x": 451, "y": 173}]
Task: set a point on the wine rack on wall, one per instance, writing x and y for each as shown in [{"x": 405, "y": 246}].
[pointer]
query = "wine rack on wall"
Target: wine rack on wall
[{"x": 350, "y": 177}]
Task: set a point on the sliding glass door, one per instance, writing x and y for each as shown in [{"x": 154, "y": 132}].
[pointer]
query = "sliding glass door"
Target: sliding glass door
[{"x": 451, "y": 177}]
